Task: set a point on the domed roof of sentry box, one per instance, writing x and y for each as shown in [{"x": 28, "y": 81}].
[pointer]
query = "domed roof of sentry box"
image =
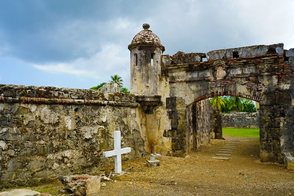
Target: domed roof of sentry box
[{"x": 145, "y": 37}]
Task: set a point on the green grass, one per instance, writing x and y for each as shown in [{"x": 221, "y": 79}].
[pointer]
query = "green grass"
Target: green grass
[{"x": 247, "y": 133}]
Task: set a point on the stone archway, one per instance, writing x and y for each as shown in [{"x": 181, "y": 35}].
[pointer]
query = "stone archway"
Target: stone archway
[{"x": 261, "y": 73}]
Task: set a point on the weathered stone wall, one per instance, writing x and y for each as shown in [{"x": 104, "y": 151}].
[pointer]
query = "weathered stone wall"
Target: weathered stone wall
[
  {"x": 263, "y": 73},
  {"x": 46, "y": 132},
  {"x": 240, "y": 120},
  {"x": 199, "y": 116}
]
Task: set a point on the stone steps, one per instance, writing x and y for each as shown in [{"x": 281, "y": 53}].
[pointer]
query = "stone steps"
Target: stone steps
[{"x": 225, "y": 152}]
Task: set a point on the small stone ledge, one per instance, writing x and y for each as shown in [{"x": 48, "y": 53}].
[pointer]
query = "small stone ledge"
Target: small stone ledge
[
  {"x": 154, "y": 100},
  {"x": 42, "y": 100},
  {"x": 149, "y": 102}
]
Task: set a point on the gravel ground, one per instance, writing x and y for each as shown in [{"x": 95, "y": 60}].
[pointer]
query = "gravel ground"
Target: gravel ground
[{"x": 199, "y": 174}]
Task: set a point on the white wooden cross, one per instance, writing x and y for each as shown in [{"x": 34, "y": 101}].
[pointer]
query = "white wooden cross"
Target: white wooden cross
[{"x": 117, "y": 152}]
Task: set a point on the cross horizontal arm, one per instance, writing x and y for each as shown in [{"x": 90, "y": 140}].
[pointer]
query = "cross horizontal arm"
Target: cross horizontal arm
[
  {"x": 110, "y": 153},
  {"x": 125, "y": 150}
]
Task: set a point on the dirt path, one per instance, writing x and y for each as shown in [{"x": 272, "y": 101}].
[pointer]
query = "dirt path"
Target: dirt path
[{"x": 199, "y": 174}]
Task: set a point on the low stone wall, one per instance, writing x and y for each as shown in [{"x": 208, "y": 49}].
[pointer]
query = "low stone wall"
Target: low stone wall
[
  {"x": 47, "y": 132},
  {"x": 240, "y": 120}
]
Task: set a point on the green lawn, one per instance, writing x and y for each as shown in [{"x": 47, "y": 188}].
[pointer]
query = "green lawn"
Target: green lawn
[{"x": 248, "y": 133}]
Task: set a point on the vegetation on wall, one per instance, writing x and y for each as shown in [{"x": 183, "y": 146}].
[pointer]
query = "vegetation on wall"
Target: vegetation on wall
[
  {"x": 114, "y": 79},
  {"x": 228, "y": 104},
  {"x": 98, "y": 86}
]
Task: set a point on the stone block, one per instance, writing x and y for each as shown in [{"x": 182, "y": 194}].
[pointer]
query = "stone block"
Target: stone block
[
  {"x": 275, "y": 133},
  {"x": 267, "y": 156},
  {"x": 276, "y": 146},
  {"x": 42, "y": 150},
  {"x": 45, "y": 174},
  {"x": 20, "y": 192},
  {"x": 3, "y": 145},
  {"x": 283, "y": 98},
  {"x": 266, "y": 146},
  {"x": 93, "y": 186},
  {"x": 10, "y": 152},
  {"x": 268, "y": 99},
  {"x": 28, "y": 152},
  {"x": 276, "y": 122},
  {"x": 267, "y": 110},
  {"x": 289, "y": 53},
  {"x": 264, "y": 122},
  {"x": 13, "y": 165},
  {"x": 280, "y": 110},
  {"x": 289, "y": 161},
  {"x": 36, "y": 164}
]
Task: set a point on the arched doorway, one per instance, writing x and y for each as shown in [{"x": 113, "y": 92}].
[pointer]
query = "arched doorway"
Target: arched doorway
[{"x": 260, "y": 73}]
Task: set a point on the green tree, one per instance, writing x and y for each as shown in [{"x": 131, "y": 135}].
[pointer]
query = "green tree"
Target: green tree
[
  {"x": 124, "y": 90},
  {"x": 227, "y": 108},
  {"x": 217, "y": 102},
  {"x": 117, "y": 79},
  {"x": 237, "y": 103},
  {"x": 98, "y": 86},
  {"x": 249, "y": 106}
]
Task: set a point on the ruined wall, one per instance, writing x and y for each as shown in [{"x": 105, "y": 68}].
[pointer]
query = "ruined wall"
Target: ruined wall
[
  {"x": 199, "y": 116},
  {"x": 263, "y": 73},
  {"x": 240, "y": 120},
  {"x": 46, "y": 132}
]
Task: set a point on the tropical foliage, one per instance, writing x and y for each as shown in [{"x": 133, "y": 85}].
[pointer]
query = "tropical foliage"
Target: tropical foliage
[
  {"x": 98, "y": 86},
  {"x": 115, "y": 79},
  {"x": 124, "y": 90},
  {"x": 228, "y": 104},
  {"x": 217, "y": 102}
]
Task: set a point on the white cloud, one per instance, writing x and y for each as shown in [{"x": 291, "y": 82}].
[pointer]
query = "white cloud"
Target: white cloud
[
  {"x": 93, "y": 44},
  {"x": 110, "y": 61},
  {"x": 61, "y": 68}
]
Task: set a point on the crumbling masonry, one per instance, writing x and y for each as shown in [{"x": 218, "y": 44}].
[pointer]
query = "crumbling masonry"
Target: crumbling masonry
[{"x": 46, "y": 132}]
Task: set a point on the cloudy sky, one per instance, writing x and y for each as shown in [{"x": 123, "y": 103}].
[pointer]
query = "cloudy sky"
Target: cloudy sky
[{"x": 80, "y": 44}]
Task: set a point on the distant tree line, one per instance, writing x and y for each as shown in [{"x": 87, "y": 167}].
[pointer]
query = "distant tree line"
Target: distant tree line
[
  {"x": 228, "y": 104},
  {"x": 114, "y": 79}
]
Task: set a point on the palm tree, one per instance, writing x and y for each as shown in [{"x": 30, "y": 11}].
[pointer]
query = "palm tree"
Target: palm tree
[
  {"x": 236, "y": 102},
  {"x": 117, "y": 79},
  {"x": 217, "y": 102}
]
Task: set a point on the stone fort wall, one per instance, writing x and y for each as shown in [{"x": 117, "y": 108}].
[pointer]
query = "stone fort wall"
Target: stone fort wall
[
  {"x": 47, "y": 132},
  {"x": 240, "y": 120}
]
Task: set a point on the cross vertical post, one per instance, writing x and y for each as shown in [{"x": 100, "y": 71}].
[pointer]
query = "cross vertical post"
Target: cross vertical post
[{"x": 117, "y": 152}]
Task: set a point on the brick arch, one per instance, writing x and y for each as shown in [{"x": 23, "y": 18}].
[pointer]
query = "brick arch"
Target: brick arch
[{"x": 228, "y": 93}]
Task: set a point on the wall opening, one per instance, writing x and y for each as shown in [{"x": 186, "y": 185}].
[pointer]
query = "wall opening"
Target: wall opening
[
  {"x": 135, "y": 59},
  {"x": 152, "y": 59},
  {"x": 239, "y": 121},
  {"x": 235, "y": 54},
  {"x": 204, "y": 59},
  {"x": 271, "y": 51},
  {"x": 206, "y": 122}
]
